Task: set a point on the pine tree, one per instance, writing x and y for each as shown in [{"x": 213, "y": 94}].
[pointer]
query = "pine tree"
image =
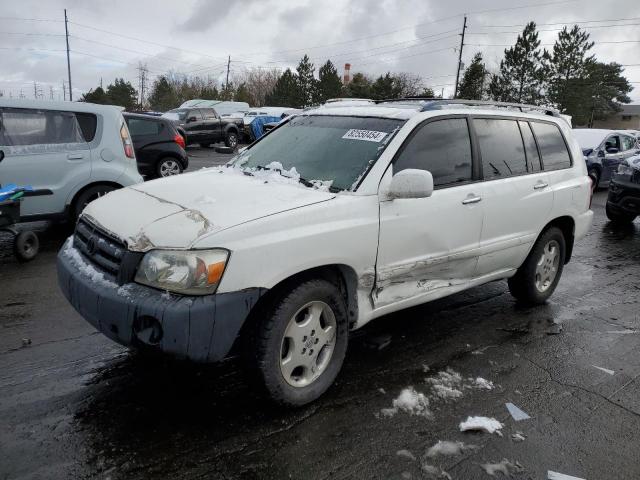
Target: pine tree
[
  {"x": 384, "y": 87},
  {"x": 307, "y": 83},
  {"x": 472, "y": 85},
  {"x": 285, "y": 93},
  {"x": 123, "y": 94},
  {"x": 568, "y": 61},
  {"x": 360, "y": 86},
  {"x": 96, "y": 96},
  {"x": 521, "y": 72},
  {"x": 329, "y": 84},
  {"x": 163, "y": 96},
  {"x": 242, "y": 94}
]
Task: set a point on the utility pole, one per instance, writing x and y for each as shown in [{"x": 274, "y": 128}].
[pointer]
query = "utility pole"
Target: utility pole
[
  {"x": 50, "y": 92},
  {"x": 64, "y": 91},
  {"x": 228, "y": 67},
  {"x": 142, "y": 81},
  {"x": 464, "y": 28},
  {"x": 66, "y": 32},
  {"x": 37, "y": 91}
]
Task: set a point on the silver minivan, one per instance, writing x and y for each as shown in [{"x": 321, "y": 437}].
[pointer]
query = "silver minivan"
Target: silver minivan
[{"x": 70, "y": 153}]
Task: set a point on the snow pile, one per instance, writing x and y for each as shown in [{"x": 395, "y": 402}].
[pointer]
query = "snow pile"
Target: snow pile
[
  {"x": 81, "y": 264},
  {"x": 518, "y": 437},
  {"x": 449, "y": 385},
  {"x": 484, "y": 424},
  {"x": 449, "y": 448},
  {"x": 483, "y": 384},
  {"x": 409, "y": 401},
  {"x": 406, "y": 454},
  {"x": 505, "y": 467}
]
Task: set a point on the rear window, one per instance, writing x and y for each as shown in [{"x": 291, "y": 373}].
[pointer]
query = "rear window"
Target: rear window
[
  {"x": 39, "y": 127},
  {"x": 530, "y": 148},
  {"x": 88, "y": 123},
  {"x": 555, "y": 155},
  {"x": 501, "y": 148},
  {"x": 139, "y": 127}
]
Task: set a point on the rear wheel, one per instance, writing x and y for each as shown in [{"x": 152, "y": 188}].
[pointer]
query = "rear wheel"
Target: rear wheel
[
  {"x": 88, "y": 196},
  {"x": 299, "y": 344},
  {"x": 232, "y": 140},
  {"x": 538, "y": 276},
  {"x": 26, "y": 246},
  {"x": 168, "y": 167},
  {"x": 619, "y": 216}
]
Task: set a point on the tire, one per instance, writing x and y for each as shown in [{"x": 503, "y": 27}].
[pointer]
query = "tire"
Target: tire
[
  {"x": 594, "y": 173},
  {"x": 283, "y": 349},
  {"x": 619, "y": 216},
  {"x": 538, "y": 276},
  {"x": 168, "y": 167},
  {"x": 26, "y": 246},
  {"x": 88, "y": 196},
  {"x": 231, "y": 140}
]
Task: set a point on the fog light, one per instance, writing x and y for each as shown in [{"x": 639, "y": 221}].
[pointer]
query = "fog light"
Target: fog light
[{"x": 148, "y": 330}]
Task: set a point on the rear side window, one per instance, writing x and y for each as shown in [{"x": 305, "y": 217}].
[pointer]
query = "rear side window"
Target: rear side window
[
  {"x": 209, "y": 114},
  {"x": 555, "y": 155},
  {"x": 195, "y": 113},
  {"x": 39, "y": 127},
  {"x": 88, "y": 123},
  {"x": 442, "y": 147},
  {"x": 501, "y": 148},
  {"x": 628, "y": 143},
  {"x": 530, "y": 148},
  {"x": 139, "y": 127}
]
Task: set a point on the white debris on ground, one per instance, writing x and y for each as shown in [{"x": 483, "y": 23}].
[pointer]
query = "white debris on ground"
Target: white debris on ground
[
  {"x": 483, "y": 424},
  {"x": 560, "y": 476},
  {"x": 505, "y": 467},
  {"x": 409, "y": 401},
  {"x": 485, "y": 384},
  {"x": 382, "y": 391},
  {"x": 518, "y": 437},
  {"x": 449, "y": 448},
  {"x": 605, "y": 370},
  {"x": 516, "y": 413},
  {"x": 435, "y": 472},
  {"x": 449, "y": 384},
  {"x": 406, "y": 454}
]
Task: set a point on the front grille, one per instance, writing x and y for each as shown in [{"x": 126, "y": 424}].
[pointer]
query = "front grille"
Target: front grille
[{"x": 106, "y": 253}]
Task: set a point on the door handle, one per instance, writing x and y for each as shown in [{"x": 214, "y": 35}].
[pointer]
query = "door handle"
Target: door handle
[
  {"x": 75, "y": 156},
  {"x": 471, "y": 199},
  {"x": 540, "y": 185}
]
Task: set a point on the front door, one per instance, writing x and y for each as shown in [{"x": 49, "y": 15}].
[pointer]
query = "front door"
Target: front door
[{"x": 429, "y": 246}]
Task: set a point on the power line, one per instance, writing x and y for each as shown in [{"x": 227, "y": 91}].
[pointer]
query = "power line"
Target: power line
[
  {"x": 30, "y": 19},
  {"x": 33, "y": 34}
]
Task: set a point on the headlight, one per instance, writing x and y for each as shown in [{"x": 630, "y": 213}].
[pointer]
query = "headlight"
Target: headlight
[
  {"x": 624, "y": 169},
  {"x": 190, "y": 272}
]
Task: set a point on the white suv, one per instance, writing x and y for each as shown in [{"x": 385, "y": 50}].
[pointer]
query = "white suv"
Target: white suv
[
  {"x": 336, "y": 217},
  {"x": 69, "y": 152}
]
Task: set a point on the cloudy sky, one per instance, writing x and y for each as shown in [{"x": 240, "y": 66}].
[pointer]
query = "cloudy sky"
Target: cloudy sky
[{"x": 108, "y": 39}]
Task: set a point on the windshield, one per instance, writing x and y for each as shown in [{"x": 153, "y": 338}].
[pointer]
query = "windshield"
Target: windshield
[
  {"x": 334, "y": 151},
  {"x": 177, "y": 114}
]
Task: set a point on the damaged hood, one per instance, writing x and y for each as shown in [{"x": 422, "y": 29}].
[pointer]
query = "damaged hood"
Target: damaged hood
[{"x": 176, "y": 212}]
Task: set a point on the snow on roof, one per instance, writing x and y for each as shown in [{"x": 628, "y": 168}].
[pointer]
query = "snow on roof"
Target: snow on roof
[
  {"x": 382, "y": 111},
  {"x": 57, "y": 105}
]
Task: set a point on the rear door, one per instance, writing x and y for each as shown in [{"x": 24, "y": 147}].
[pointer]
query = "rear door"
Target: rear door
[
  {"x": 146, "y": 136},
  {"x": 613, "y": 155},
  {"x": 516, "y": 193},
  {"x": 194, "y": 126},
  {"x": 429, "y": 246},
  {"x": 47, "y": 150},
  {"x": 212, "y": 124}
]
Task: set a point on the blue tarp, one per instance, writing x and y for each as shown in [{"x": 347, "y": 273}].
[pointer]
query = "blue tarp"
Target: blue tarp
[
  {"x": 257, "y": 125},
  {"x": 11, "y": 189}
]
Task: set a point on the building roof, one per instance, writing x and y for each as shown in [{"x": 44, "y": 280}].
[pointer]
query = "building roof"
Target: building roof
[{"x": 630, "y": 110}]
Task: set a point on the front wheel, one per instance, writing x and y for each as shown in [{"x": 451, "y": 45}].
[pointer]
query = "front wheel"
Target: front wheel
[
  {"x": 26, "y": 246},
  {"x": 232, "y": 140},
  {"x": 538, "y": 276},
  {"x": 298, "y": 347},
  {"x": 168, "y": 167},
  {"x": 88, "y": 196},
  {"x": 619, "y": 216}
]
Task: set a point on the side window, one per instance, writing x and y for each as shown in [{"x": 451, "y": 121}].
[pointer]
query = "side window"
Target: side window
[
  {"x": 628, "y": 143},
  {"x": 612, "y": 142},
  {"x": 530, "y": 148},
  {"x": 195, "y": 113},
  {"x": 39, "y": 127},
  {"x": 501, "y": 148},
  {"x": 209, "y": 114},
  {"x": 139, "y": 127},
  {"x": 555, "y": 155},
  {"x": 88, "y": 123},
  {"x": 442, "y": 147}
]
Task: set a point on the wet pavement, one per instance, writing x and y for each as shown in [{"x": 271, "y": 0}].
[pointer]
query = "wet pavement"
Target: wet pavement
[{"x": 75, "y": 405}]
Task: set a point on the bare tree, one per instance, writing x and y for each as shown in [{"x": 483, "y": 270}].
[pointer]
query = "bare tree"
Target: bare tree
[{"x": 259, "y": 82}]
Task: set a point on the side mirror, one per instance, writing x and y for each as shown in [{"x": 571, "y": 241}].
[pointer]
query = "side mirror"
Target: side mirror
[
  {"x": 612, "y": 150},
  {"x": 191, "y": 119},
  {"x": 411, "y": 183}
]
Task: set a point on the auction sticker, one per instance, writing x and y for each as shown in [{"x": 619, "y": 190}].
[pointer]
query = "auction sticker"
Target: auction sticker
[{"x": 367, "y": 135}]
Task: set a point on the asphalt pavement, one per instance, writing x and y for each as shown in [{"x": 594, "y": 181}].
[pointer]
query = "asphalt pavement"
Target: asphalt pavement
[{"x": 75, "y": 405}]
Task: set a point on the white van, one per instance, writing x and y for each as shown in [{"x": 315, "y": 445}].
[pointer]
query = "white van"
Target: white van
[
  {"x": 70, "y": 153},
  {"x": 337, "y": 217}
]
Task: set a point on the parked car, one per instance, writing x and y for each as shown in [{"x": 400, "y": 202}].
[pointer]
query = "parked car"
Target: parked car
[
  {"x": 224, "y": 108},
  {"x": 205, "y": 126},
  {"x": 604, "y": 150},
  {"x": 271, "y": 125},
  {"x": 263, "y": 115},
  {"x": 623, "y": 202},
  {"x": 337, "y": 217},
  {"x": 158, "y": 145},
  {"x": 71, "y": 153}
]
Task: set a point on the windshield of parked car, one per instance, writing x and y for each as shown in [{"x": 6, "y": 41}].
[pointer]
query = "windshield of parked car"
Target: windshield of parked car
[
  {"x": 177, "y": 114},
  {"x": 333, "y": 151}
]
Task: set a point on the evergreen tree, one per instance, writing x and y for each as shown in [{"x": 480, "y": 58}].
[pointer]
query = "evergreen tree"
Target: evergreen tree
[
  {"x": 427, "y": 92},
  {"x": 521, "y": 73},
  {"x": 209, "y": 92},
  {"x": 96, "y": 96},
  {"x": 567, "y": 62},
  {"x": 242, "y": 94},
  {"x": 472, "y": 85},
  {"x": 163, "y": 96},
  {"x": 329, "y": 84},
  {"x": 360, "y": 86},
  {"x": 227, "y": 92},
  {"x": 285, "y": 93},
  {"x": 123, "y": 94},
  {"x": 307, "y": 83},
  {"x": 385, "y": 87}
]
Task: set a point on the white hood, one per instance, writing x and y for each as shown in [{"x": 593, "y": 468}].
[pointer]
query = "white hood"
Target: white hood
[{"x": 175, "y": 212}]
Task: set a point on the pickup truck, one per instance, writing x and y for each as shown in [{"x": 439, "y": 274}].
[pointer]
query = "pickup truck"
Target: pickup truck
[{"x": 205, "y": 126}]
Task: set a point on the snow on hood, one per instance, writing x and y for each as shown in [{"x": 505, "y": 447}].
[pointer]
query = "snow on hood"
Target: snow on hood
[
  {"x": 633, "y": 162},
  {"x": 175, "y": 212}
]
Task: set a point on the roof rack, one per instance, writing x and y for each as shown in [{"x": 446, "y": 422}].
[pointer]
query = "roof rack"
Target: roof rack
[{"x": 437, "y": 103}]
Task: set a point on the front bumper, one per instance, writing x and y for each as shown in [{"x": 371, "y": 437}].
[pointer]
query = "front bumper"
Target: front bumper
[
  {"x": 199, "y": 328},
  {"x": 624, "y": 195}
]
